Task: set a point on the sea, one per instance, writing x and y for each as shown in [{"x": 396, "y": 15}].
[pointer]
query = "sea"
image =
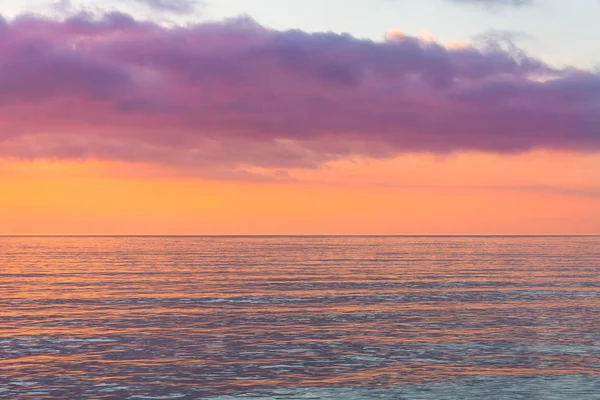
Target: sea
[{"x": 300, "y": 317}]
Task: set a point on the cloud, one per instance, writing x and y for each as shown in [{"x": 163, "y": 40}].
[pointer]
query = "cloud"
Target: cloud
[
  {"x": 176, "y": 6},
  {"x": 235, "y": 94},
  {"x": 488, "y": 3},
  {"x": 67, "y": 7},
  {"x": 582, "y": 192}
]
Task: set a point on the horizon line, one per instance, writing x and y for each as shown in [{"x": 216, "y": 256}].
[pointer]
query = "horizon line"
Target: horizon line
[{"x": 284, "y": 235}]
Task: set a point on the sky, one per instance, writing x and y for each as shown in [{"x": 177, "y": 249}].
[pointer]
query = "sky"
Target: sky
[{"x": 288, "y": 117}]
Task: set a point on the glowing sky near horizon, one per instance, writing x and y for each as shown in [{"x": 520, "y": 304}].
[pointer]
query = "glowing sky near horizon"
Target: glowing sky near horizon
[{"x": 313, "y": 117}]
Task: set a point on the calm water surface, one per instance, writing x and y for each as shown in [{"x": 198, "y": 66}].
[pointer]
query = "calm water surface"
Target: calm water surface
[{"x": 300, "y": 318}]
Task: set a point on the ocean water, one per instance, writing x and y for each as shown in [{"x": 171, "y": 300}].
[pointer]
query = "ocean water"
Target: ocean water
[{"x": 300, "y": 318}]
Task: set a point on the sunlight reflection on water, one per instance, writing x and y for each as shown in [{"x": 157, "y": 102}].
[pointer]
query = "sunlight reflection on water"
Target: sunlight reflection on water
[{"x": 329, "y": 317}]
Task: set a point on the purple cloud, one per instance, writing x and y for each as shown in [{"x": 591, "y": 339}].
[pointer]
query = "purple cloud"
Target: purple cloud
[{"x": 237, "y": 94}]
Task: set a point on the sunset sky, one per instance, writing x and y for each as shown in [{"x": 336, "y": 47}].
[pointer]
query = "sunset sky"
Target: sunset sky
[{"x": 300, "y": 117}]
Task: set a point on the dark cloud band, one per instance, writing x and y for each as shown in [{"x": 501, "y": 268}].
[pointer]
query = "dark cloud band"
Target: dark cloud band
[{"x": 236, "y": 93}]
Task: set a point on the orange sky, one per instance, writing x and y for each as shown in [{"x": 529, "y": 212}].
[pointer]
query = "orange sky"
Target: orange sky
[
  {"x": 235, "y": 127},
  {"x": 534, "y": 193}
]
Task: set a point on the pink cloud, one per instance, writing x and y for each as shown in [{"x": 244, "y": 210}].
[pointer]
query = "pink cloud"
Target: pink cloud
[{"x": 238, "y": 94}]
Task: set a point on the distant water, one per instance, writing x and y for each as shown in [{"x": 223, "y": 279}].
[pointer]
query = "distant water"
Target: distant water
[{"x": 300, "y": 318}]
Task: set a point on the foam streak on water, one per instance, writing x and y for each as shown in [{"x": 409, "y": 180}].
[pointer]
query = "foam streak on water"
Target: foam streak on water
[{"x": 300, "y": 318}]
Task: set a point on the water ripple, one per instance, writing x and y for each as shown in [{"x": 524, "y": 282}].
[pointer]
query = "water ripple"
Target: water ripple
[{"x": 300, "y": 318}]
